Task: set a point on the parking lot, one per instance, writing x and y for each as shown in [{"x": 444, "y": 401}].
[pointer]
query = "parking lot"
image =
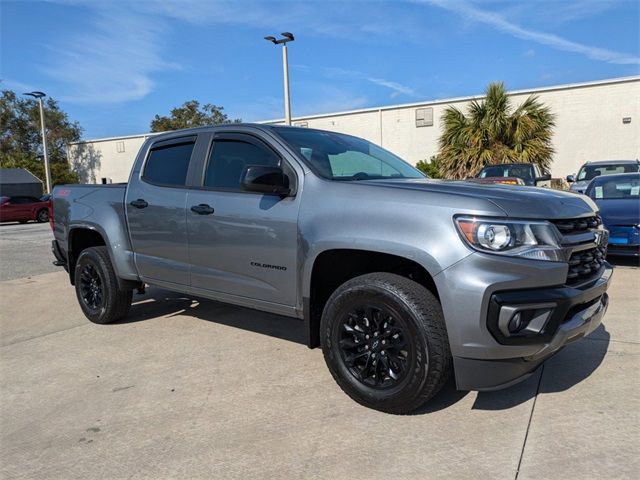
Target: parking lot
[{"x": 190, "y": 388}]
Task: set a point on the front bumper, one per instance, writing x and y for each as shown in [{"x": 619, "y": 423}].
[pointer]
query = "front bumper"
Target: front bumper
[
  {"x": 484, "y": 356},
  {"x": 584, "y": 313}
]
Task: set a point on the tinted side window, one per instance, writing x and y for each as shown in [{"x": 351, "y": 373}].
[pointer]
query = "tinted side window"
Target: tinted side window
[
  {"x": 168, "y": 165},
  {"x": 23, "y": 200},
  {"x": 229, "y": 158}
]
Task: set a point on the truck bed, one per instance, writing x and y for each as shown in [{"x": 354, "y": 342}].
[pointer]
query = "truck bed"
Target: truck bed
[{"x": 92, "y": 207}]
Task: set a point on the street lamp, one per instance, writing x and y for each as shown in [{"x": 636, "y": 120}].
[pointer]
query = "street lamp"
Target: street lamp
[
  {"x": 47, "y": 169},
  {"x": 286, "y": 37}
]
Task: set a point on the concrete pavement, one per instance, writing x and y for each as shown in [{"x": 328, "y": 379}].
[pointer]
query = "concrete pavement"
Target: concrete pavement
[
  {"x": 25, "y": 249},
  {"x": 189, "y": 388}
]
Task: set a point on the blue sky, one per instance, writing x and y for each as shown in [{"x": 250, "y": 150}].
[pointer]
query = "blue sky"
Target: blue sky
[{"x": 114, "y": 65}]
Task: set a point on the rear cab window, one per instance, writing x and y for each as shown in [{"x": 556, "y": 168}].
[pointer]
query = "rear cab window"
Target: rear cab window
[{"x": 168, "y": 163}]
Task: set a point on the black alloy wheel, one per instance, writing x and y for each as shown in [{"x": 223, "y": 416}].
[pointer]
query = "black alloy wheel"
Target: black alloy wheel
[
  {"x": 101, "y": 297},
  {"x": 91, "y": 287},
  {"x": 373, "y": 346},
  {"x": 385, "y": 342}
]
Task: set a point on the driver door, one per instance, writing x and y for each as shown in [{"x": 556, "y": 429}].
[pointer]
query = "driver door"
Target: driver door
[{"x": 242, "y": 244}]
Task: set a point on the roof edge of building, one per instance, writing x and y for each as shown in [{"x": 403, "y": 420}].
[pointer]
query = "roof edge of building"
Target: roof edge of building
[
  {"x": 109, "y": 139},
  {"x": 467, "y": 98},
  {"x": 426, "y": 103}
]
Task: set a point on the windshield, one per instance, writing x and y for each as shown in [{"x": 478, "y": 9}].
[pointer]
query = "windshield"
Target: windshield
[
  {"x": 616, "y": 188},
  {"x": 336, "y": 156},
  {"x": 519, "y": 171},
  {"x": 589, "y": 172}
]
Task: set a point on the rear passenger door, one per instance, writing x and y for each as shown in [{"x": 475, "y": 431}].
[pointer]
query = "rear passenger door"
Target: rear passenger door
[
  {"x": 245, "y": 245},
  {"x": 155, "y": 206}
]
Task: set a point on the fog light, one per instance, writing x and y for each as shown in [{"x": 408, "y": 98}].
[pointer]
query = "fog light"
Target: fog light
[
  {"x": 515, "y": 324},
  {"x": 524, "y": 320}
]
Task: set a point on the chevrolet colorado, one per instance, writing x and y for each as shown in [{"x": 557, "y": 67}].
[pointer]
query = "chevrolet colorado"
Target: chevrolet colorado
[{"x": 402, "y": 280}]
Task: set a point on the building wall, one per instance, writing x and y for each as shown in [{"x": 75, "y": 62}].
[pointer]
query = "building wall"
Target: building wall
[
  {"x": 589, "y": 126},
  {"x": 109, "y": 158}
]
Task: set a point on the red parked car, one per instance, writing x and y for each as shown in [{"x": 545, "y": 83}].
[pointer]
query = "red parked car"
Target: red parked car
[{"x": 23, "y": 209}]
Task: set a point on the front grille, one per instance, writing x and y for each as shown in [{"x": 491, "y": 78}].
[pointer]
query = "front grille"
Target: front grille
[
  {"x": 585, "y": 264},
  {"x": 581, "y": 237},
  {"x": 577, "y": 225}
]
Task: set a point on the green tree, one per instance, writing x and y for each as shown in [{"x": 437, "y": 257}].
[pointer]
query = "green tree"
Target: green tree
[
  {"x": 190, "y": 114},
  {"x": 430, "y": 168},
  {"x": 21, "y": 140},
  {"x": 493, "y": 132}
]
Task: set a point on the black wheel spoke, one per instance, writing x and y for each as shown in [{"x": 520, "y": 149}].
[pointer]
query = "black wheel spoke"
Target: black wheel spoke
[
  {"x": 373, "y": 347},
  {"x": 91, "y": 289},
  {"x": 348, "y": 343}
]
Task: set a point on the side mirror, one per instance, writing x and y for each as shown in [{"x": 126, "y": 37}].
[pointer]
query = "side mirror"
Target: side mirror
[
  {"x": 571, "y": 178},
  {"x": 262, "y": 179}
]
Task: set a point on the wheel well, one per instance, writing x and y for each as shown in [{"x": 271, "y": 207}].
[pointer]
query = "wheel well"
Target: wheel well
[
  {"x": 334, "y": 267},
  {"x": 80, "y": 239}
]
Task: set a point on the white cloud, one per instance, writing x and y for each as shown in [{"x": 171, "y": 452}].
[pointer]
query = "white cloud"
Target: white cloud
[
  {"x": 497, "y": 21},
  {"x": 110, "y": 61},
  {"x": 396, "y": 88}
]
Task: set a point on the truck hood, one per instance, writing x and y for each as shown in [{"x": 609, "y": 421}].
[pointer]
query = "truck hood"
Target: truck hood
[{"x": 515, "y": 201}]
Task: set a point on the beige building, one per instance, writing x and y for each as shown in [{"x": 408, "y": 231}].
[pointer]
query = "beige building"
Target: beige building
[{"x": 594, "y": 121}]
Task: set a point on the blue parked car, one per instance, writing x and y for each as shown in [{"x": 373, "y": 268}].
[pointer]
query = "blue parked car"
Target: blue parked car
[{"x": 618, "y": 197}]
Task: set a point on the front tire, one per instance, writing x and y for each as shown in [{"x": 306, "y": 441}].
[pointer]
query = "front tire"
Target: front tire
[
  {"x": 385, "y": 342},
  {"x": 97, "y": 289}
]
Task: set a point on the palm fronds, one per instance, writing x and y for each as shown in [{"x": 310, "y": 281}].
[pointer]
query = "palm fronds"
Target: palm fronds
[{"x": 493, "y": 132}]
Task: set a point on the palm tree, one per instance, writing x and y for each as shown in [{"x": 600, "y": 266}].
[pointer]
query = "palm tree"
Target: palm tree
[{"x": 493, "y": 132}]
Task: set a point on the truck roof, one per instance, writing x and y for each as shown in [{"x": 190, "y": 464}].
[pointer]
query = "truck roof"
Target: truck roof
[
  {"x": 224, "y": 126},
  {"x": 612, "y": 162}
]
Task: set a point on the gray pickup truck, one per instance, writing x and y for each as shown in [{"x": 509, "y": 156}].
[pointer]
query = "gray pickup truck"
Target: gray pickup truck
[{"x": 402, "y": 280}]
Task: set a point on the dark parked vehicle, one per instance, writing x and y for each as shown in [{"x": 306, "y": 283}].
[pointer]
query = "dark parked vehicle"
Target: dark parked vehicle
[
  {"x": 504, "y": 173},
  {"x": 618, "y": 197},
  {"x": 401, "y": 279},
  {"x": 591, "y": 170},
  {"x": 24, "y": 209}
]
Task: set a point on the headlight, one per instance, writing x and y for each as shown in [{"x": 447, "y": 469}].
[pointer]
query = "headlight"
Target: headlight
[{"x": 537, "y": 240}]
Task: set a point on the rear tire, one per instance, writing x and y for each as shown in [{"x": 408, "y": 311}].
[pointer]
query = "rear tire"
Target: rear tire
[
  {"x": 385, "y": 342},
  {"x": 97, "y": 289},
  {"x": 42, "y": 215}
]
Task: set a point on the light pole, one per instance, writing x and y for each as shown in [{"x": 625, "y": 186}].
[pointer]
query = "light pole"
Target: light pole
[
  {"x": 286, "y": 37},
  {"x": 47, "y": 169}
]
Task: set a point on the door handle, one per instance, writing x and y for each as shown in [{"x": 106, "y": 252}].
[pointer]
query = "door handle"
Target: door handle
[
  {"x": 139, "y": 203},
  {"x": 202, "y": 209}
]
